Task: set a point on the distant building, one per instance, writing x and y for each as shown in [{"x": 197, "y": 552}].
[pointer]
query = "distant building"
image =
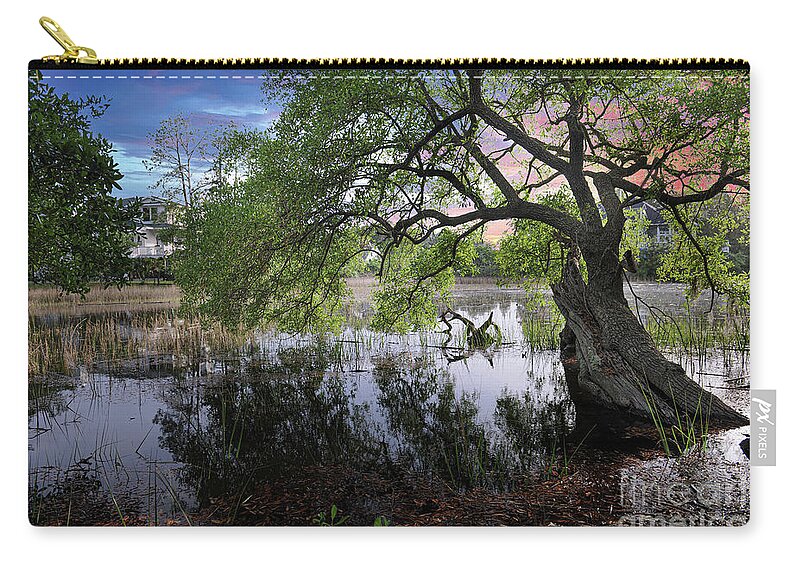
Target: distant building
[
  {"x": 157, "y": 215},
  {"x": 659, "y": 230}
]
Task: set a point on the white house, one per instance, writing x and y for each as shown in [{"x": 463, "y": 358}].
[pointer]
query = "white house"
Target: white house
[
  {"x": 157, "y": 214},
  {"x": 659, "y": 230}
]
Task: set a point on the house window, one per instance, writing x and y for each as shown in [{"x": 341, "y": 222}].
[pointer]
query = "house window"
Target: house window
[
  {"x": 150, "y": 214},
  {"x": 663, "y": 233}
]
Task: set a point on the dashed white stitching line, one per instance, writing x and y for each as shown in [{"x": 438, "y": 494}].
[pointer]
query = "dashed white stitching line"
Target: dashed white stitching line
[{"x": 398, "y": 77}]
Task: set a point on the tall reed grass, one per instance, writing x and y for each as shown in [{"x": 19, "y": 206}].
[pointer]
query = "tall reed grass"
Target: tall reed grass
[
  {"x": 693, "y": 334},
  {"x": 51, "y": 297},
  {"x": 62, "y": 347},
  {"x": 542, "y": 324},
  {"x": 697, "y": 335}
]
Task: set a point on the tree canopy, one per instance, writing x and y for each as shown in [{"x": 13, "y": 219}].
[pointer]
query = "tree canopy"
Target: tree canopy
[
  {"x": 77, "y": 231},
  {"x": 373, "y": 163}
]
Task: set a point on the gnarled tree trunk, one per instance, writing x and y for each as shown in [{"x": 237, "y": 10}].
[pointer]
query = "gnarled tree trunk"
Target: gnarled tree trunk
[{"x": 615, "y": 373}]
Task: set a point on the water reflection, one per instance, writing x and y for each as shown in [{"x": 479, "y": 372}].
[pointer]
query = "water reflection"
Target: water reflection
[
  {"x": 235, "y": 432},
  {"x": 159, "y": 435},
  {"x": 372, "y": 403}
]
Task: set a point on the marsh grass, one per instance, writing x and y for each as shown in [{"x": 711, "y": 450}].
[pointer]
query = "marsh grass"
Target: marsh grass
[
  {"x": 107, "y": 339},
  {"x": 559, "y": 467},
  {"x": 542, "y": 333},
  {"x": 542, "y": 322},
  {"x": 47, "y": 296},
  {"x": 688, "y": 434},
  {"x": 698, "y": 335},
  {"x": 692, "y": 333}
]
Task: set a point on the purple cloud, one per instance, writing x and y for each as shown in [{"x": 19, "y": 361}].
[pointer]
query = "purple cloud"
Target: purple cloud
[{"x": 141, "y": 99}]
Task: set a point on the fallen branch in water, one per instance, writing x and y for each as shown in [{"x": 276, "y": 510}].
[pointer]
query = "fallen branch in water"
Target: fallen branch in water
[{"x": 479, "y": 337}]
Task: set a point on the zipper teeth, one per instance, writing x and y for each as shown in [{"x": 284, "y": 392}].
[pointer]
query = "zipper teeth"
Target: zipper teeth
[{"x": 449, "y": 63}]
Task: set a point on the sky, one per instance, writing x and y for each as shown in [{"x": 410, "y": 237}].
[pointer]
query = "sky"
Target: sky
[{"x": 141, "y": 99}]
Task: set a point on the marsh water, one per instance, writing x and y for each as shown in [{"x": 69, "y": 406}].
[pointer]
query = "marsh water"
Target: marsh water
[{"x": 159, "y": 435}]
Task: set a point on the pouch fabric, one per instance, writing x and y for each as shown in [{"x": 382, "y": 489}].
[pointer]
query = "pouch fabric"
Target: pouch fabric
[{"x": 389, "y": 294}]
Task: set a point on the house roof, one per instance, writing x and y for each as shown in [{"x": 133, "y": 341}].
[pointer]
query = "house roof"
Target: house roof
[
  {"x": 651, "y": 211},
  {"x": 149, "y": 200}
]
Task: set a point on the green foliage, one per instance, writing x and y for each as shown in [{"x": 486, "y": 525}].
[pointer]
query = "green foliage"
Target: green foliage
[
  {"x": 702, "y": 115},
  {"x": 650, "y": 261},
  {"x": 718, "y": 228},
  {"x": 372, "y": 164},
  {"x": 634, "y": 236},
  {"x": 335, "y": 519},
  {"x": 152, "y": 268},
  {"x": 535, "y": 251},
  {"x": 197, "y": 164},
  {"x": 412, "y": 278},
  {"x": 234, "y": 157},
  {"x": 293, "y": 284},
  {"x": 77, "y": 231},
  {"x": 485, "y": 260}
]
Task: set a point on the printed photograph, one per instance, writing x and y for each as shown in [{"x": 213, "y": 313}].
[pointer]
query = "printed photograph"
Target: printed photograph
[{"x": 389, "y": 297}]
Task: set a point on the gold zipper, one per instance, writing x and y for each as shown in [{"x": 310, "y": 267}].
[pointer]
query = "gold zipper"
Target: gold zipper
[{"x": 74, "y": 54}]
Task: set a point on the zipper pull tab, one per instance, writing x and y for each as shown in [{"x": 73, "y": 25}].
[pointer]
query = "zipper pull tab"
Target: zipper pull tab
[{"x": 72, "y": 52}]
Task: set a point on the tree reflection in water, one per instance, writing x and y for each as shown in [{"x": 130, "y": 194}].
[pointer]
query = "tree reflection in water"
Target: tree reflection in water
[{"x": 295, "y": 412}]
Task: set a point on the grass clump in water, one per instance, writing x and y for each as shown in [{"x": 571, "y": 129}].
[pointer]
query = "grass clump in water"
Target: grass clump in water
[
  {"x": 62, "y": 346},
  {"x": 688, "y": 434}
]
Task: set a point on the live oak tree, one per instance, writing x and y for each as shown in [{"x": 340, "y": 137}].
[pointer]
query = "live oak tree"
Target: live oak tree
[
  {"x": 370, "y": 163},
  {"x": 77, "y": 231}
]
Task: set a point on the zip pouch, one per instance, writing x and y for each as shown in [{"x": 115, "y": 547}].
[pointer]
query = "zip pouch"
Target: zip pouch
[{"x": 390, "y": 293}]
